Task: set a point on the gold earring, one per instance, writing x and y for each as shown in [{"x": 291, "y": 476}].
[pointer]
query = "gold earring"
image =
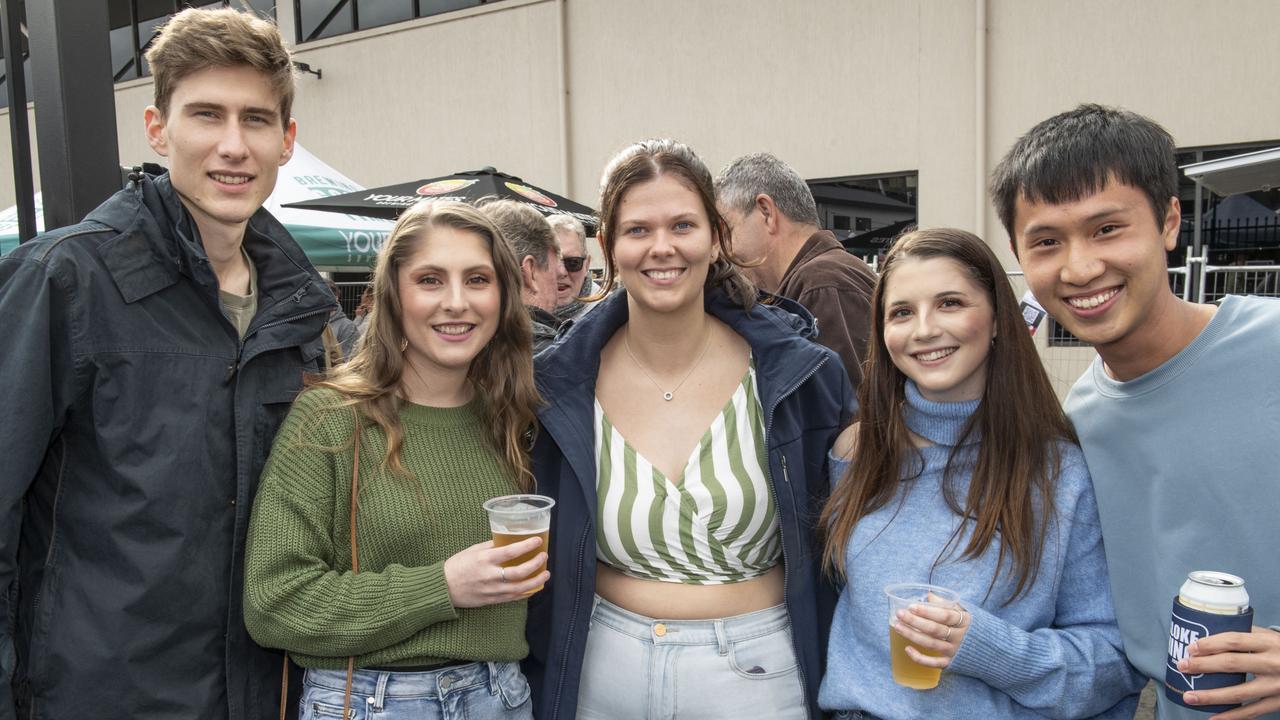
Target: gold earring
[{"x": 404, "y": 344}]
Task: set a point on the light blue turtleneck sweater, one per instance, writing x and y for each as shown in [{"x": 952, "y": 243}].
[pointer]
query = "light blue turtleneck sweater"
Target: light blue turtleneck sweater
[{"x": 1053, "y": 652}]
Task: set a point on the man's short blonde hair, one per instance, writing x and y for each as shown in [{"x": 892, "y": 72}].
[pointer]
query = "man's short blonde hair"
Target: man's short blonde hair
[{"x": 199, "y": 38}]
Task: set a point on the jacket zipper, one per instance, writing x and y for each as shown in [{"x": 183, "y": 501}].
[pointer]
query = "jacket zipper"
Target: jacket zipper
[
  {"x": 235, "y": 366},
  {"x": 577, "y": 595},
  {"x": 768, "y": 428}
]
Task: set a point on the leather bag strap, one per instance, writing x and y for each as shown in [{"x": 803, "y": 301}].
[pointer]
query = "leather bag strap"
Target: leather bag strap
[{"x": 355, "y": 555}]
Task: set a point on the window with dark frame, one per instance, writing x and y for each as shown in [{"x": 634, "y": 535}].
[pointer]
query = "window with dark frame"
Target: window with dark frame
[
  {"x": 134, "y": 24},
  {"x": 320, "y": 19}
]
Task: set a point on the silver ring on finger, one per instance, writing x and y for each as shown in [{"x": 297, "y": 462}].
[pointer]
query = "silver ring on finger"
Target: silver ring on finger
[
  {"x": 959, "y": 619},
  {"x": 502, "y": 573},
  {"x": 947, "y": 637}
]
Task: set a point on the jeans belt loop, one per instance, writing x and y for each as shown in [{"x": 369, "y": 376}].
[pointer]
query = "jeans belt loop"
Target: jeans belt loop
[
  {"x": 494, "y": 688},
  {"x": 380, "y": 692},
  {"x": 722, "y": 639}
]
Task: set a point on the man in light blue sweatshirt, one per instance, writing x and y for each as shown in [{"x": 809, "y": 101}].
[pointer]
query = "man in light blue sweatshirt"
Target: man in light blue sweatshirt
[{"x": 1179, "y": 416}]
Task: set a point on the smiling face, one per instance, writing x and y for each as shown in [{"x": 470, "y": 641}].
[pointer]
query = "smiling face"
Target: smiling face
[
  {"x": 938, "y": 327},
  {"x": 663, "y": 244},
  {"x": 450, "y": 301},
  {"x": 225, "y": 142},
  {"x": 1098, "y": 264}
]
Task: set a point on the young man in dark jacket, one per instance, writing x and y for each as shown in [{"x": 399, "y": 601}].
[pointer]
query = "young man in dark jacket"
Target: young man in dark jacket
[
  {"x": 775, "y": 225},
  {"x": 153, "y": 349}
]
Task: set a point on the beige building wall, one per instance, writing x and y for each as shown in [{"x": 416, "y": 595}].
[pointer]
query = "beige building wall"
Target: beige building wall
[{"x": 550, "y": 89}]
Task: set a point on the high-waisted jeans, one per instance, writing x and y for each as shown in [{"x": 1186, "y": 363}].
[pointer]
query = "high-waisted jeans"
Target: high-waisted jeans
[
  {"x": 738, "y": 667},
  {"x": 478, "y": 691}
]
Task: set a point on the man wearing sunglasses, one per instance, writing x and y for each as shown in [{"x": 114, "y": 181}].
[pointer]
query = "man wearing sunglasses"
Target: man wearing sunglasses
[{"x": 572, "y": 237}]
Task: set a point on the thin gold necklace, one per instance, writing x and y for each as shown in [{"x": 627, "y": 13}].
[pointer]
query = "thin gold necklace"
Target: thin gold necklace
[{"x": 666, "y": 394}]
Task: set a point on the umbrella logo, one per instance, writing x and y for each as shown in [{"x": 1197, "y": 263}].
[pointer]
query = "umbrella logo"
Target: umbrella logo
[
  {"x": 530, "y": 193},
  {"x": 444, "y": 187}
]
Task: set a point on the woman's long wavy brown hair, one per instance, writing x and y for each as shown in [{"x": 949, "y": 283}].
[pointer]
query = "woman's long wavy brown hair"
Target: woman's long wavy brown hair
[
  {"x": 1021, "y": 423},
  {"x": 646, "y": 160},
  {"x": 502, "y": 373}
]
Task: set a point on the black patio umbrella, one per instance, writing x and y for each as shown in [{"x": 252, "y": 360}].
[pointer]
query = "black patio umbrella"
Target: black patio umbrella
[{"x": 389, "y": 201}]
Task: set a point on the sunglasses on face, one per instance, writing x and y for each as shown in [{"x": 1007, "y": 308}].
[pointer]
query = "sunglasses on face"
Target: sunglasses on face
[{"x": 574, "y": 263}]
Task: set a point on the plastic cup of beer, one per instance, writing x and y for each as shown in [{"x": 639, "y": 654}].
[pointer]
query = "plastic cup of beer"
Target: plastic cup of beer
[
  {"x": 513, "y": 518},
  {"x": 907, "y": 672}
]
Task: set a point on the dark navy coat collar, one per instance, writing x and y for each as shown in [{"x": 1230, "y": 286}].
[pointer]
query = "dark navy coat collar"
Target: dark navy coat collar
[{"x": 155, "y": 242}]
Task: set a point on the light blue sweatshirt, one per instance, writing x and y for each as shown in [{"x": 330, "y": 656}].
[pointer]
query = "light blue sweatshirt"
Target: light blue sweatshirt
[
  {"x": 1186, "y": 467},
  {"x": 1053, "y": 652}
]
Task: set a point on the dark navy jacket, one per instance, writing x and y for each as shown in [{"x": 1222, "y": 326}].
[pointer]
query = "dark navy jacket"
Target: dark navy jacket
[
  {"x": 135, "y": 425},
  {"x": 807, "y": 399}
]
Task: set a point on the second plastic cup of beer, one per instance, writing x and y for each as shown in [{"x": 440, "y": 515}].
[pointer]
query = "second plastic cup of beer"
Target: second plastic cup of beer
[
  {"x": 513, "y": 518},
  {"x": 908, "y": 672}
]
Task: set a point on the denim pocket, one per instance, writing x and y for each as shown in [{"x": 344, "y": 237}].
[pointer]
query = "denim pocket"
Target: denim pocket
[
  {"x": 319, "y": 711},
  {"x": 512, "y": 685},
  {"x": 764, "y": 657}
]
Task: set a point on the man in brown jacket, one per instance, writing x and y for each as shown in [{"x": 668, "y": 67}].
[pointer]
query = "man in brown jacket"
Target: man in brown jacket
[{"x": 775, "y": 224}]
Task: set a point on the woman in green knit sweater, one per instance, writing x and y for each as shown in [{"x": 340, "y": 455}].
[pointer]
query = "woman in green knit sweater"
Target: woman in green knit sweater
[{"x": 419, "y": 620}]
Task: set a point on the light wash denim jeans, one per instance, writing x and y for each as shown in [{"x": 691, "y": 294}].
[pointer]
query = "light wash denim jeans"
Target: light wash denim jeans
[
  {"x": 739, "y": 667},
  {"x": 479, "y": 691}
]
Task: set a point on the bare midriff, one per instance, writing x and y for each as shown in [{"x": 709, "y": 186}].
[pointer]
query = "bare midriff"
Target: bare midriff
[{"x": 678, "y": 601}]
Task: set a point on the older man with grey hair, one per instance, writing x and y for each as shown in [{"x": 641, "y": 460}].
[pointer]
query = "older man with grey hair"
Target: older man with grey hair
[
  {"x": 774, "y": 221},
  {"x": 534, "y": 245},
  {"x": 577, "y": 282}
]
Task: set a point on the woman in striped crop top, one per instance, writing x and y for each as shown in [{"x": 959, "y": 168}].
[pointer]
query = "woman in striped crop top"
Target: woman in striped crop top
[{"x": 700, "y": 527}]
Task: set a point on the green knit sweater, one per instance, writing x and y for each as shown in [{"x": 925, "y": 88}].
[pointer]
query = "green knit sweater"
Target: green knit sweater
[{"x": 299, "y": 592}]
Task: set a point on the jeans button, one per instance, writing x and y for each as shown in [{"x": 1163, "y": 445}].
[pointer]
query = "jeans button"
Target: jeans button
[{"x": 660, "y": 630}]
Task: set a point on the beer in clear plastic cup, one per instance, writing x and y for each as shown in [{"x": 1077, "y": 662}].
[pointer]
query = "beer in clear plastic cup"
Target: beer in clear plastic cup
[
  {"x": 513, "y": 518},
  {"x": 907, "y": 672}
]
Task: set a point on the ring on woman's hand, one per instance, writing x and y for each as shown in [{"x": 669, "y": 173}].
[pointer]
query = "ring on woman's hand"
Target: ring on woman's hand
[
  {"x": 502, "y": 573},
  {"x": 959, "y": 620},
  {"x": 947, "y": 637}
]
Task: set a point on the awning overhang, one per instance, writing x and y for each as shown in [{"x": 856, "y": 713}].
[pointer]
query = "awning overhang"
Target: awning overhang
[{"x": 1258, "y": 170}]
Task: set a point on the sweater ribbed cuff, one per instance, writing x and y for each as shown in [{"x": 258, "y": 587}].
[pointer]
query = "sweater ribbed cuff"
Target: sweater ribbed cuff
[
  {"x": 426, "y": 595},
  {"x": 996, "y": 652}
]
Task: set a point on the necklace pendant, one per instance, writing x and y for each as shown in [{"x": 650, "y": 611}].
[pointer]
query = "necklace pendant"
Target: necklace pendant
[{"x": 667, "y": 396}]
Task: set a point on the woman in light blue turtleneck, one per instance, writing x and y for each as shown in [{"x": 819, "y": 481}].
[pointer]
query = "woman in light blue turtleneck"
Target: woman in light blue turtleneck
[{"x": 963, "y": 472}]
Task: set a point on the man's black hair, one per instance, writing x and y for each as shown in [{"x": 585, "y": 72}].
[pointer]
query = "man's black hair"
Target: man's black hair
[{"x": 1074, "y": 154}]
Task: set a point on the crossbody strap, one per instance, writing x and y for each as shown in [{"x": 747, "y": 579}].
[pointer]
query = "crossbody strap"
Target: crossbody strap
[{"x": 355, "y": 556}]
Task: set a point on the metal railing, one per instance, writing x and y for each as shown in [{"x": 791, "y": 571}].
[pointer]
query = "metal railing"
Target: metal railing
[
  {"x": 349, "y": 296},
  {"x": 1219, "y": 282}
]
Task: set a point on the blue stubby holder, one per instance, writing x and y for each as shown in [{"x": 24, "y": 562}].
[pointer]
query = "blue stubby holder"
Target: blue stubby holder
[{"x": 1185, "y": 627}]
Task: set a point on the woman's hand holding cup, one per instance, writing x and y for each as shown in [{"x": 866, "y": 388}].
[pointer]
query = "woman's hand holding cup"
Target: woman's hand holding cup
[
  {"x": 939, "y": 628},
  {"x": 476, "y": 576}
]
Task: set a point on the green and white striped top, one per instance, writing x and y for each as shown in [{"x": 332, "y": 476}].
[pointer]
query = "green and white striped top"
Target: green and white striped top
[{"x": 715, "y": 524}]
